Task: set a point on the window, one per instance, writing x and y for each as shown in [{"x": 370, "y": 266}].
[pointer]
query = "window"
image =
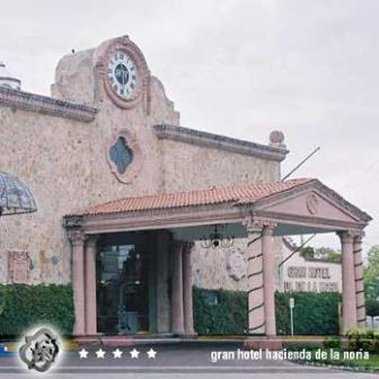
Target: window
[{"x": 121, "y": 155}]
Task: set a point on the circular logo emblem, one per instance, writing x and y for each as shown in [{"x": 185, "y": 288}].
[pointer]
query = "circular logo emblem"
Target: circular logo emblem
[
  {"x": 40, "y": 350},
  {"x": 312, "y": 204}
]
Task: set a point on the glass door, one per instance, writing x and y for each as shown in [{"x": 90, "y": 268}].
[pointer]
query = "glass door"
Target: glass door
[{"x": 122, "y": 289}]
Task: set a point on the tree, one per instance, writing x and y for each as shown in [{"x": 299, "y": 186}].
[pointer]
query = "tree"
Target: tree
[
  {"x": 372, "y": 307},
  {"x": 328, "y": 254},
  {"x": 371, "y": 274},
  {"x": 371, "y": 280},
  {"x": 307, "y": 252}
]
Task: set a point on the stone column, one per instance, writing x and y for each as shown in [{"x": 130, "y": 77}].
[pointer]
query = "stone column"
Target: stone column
[
  {"x": 162, "y": 249},
  {"x": 269, "y": 279},
  {"x": 90, "y": 292},
  {"x": 359, "y": 285},
  {"x": 349, "y": 312},
  {"x": 177, "y": 311},
  {"x": 187, "y": 290},
  {"x": 77, "y": 239},
  {"x": 255, "y": 279}
]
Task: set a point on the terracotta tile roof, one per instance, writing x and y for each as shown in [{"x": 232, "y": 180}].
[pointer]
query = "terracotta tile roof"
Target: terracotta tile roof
[{"x": 242, "y": 194}]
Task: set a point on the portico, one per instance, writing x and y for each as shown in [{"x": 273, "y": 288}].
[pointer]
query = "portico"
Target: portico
[{"x": 256, "y": 212}]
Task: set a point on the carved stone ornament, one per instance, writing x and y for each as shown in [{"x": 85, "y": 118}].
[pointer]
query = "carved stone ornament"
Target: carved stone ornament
[
  {"x": 124, "y": 156},
  {"x": 312, "y": 204},
  {"x": 124, "y": 72},
  {"x": 236, "y": 265},
  {"x": 19, "y": 266}
]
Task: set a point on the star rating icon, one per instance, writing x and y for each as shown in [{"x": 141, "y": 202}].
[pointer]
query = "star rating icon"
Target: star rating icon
[
  {"x": 83, "y": 354},
  {"x": 151, "y": 354},
  {"x": 134, "y": 353},
  {"x": 117, "y": 353},
  {"x": 100, "y": 353}
]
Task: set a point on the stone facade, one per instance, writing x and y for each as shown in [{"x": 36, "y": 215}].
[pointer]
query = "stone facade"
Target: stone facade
[
  {"x": 59, "y": 146},
  {"x": 226, "y": 268}
]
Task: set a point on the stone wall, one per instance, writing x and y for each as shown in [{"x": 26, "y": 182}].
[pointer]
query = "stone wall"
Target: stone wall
[
  {"x": 189, "y": 166},
  {"x": 225, "y": 268}
]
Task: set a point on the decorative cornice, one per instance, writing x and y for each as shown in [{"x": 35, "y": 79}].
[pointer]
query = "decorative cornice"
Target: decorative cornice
[
  {"x": 197, "y": 137},
  {"x": 70, "y": 222},
  {"x": 46, "y": 105}
]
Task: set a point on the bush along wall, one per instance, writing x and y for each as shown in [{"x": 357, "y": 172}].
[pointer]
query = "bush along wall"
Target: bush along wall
[
  {"x": 314, "y": 313},
  {"x": 24, "y": 306},
  {"x": 221, "y": 312}
]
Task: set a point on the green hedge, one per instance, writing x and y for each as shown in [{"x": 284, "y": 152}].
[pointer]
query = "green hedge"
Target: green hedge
[
  {"x": 23, "y": 306},
  {"x": 314, "y": 313},
  {"x": 227, "y": 317}
]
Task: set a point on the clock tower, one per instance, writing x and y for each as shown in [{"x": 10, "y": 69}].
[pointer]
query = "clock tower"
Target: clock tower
[{"x": 115, "y": 79}]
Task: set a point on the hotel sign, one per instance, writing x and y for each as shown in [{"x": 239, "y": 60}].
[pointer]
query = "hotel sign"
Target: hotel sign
[{"x": 309, "y": 279}]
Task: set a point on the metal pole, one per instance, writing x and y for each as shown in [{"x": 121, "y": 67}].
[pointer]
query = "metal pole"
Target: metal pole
[
  {"x": 292, "y": 305},
  {"x": 291, "y": 315},
  {"x": 301, "y": 163}
]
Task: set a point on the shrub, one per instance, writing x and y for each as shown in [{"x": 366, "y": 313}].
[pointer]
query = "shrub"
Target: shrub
[
  {"x": 362, "y": 338},
  {"x": 220, "y": 312},
  {"x": 332, "y": 343},
  {"x": 314, "y": 313},
  {"x": 23, "y": 306}
]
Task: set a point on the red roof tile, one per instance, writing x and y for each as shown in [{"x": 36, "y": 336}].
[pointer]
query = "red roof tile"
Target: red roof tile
[{"x": 242, "y": 193}]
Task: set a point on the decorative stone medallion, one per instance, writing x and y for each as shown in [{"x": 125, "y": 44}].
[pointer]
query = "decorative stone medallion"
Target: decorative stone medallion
[
  {"x": 124, "y": 72},
  {"x": 19, "y": 266},
  {"x": 312, "y": 204},
  {"x": 124, "y": 156},
  {"x": 236, "y": 265}
]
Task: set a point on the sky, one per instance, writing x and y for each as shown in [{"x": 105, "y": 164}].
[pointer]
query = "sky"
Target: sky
[{"x": 241, "y": 68}]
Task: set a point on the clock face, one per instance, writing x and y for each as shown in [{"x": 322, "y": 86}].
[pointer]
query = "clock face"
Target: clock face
[{"x": 123, "y": 75}]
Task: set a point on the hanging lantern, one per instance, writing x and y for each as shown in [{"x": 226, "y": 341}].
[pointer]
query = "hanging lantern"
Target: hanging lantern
[{"x": 216, "y": 239}]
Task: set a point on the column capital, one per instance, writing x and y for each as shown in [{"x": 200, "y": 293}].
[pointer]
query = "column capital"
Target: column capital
[
  {"x": 187, "y": 247},
  {"x": 180, "y": 244},
  {"x": 358, "y": 236},
  {"x": 253, "y": 225},
  {"x": 268, "y": 228},
  {"x": 346, "y": 236},
  {"x": 91, "y": 240},
  {"x": 76, "y": 236}
]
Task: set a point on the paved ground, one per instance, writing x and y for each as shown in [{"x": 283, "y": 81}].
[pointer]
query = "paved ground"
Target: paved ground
[{"x": 173, "y": 361}]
